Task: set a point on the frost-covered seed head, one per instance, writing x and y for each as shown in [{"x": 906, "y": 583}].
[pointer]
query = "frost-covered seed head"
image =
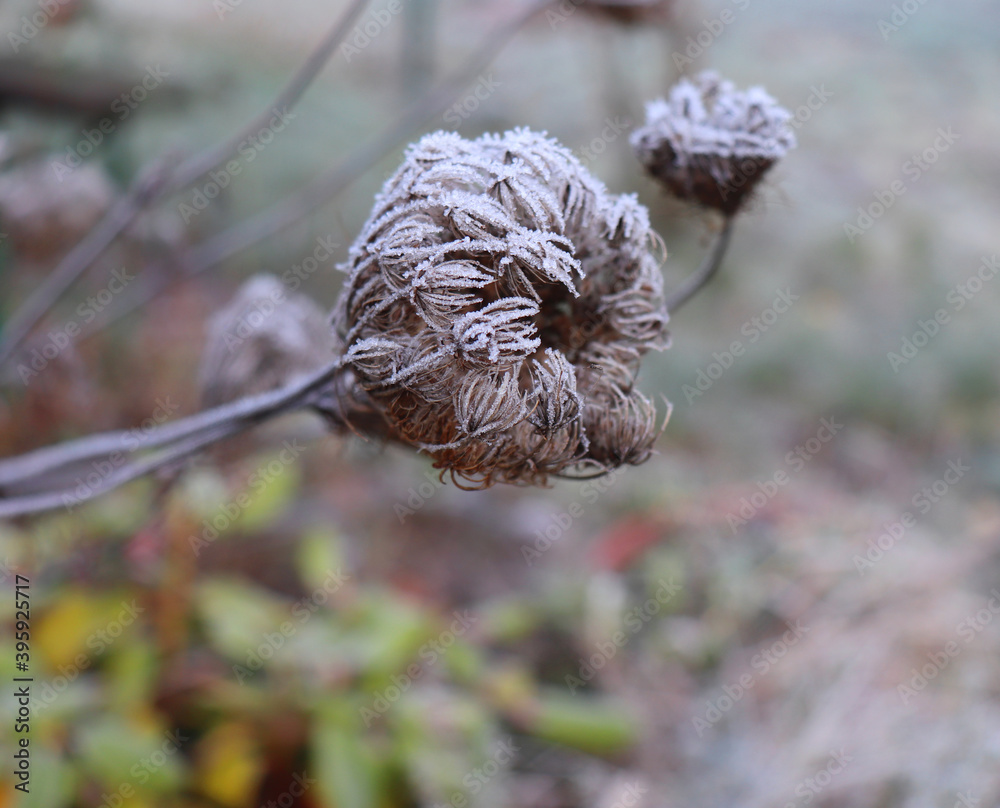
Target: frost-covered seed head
[
  {"x": 255, "y": 344},
  {"x": 711, "y": 143},
  {"x": 498, "y": 302}
]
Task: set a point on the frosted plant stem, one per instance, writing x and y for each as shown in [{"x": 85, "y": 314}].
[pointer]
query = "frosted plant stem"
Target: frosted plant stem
[
  {"x": 709, "y": 266},
  {"x": 177, "y": 439}
]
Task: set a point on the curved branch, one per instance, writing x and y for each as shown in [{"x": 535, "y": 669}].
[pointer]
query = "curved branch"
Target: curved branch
[
  {"x": 709, "y": 266},
  {"x": 70, "y": 497},
  {"x": 178, "y": 439}
]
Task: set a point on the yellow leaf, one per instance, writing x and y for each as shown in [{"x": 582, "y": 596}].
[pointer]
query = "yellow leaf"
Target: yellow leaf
[
  {"x": 63, "y": 630},
  {"x": 230, "y": 765}
]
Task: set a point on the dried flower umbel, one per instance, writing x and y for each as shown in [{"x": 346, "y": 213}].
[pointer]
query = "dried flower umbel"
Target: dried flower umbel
[
  {"x": 498, "y": 303},
  {"x": 711, "y": 143},
  {"x": 265, "y": 337}
]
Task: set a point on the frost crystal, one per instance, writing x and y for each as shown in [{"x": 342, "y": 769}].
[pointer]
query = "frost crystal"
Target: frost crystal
[
  {"x": 711, "y": 143},
  {"x": 498, "y": 302}
]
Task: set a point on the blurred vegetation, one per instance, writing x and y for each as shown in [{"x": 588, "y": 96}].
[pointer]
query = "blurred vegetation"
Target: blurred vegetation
[{"x": 349, "y": 567}]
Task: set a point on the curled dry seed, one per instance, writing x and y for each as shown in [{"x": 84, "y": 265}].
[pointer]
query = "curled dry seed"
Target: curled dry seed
[
  {"x": 711, "y": 143},
  {"x": 498, "y": 302}
]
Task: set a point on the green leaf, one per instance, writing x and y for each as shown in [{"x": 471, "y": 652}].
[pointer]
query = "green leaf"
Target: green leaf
[
  {"x": 271, "y": 487},
  {"x": 119, "y": 754},
  {"x": 593, "y": 726},
  {"x": 319, "y": 554},
  {"x": 509, "y": 620},
  {"x": 239, "y": 618},
  {"x": 347, "y": 771},
  {"x": 132, "y": 671},
  {"x": 392, "y": 636},
  {"x": 53, "y": 782}
]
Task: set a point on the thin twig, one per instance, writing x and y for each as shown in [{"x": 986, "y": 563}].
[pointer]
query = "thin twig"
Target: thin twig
[
  {"x": 249, "y": 408},
  {"x": 709, "y": 266},
  {"x": 154, "y": 182},
  {"x": 200, "y": 430},
  {"x": 186, "y": 436},
  {"x": 65, "y": 497},
  {"x": 294, "y": 207},
  {"x": 200, "y": 164}
]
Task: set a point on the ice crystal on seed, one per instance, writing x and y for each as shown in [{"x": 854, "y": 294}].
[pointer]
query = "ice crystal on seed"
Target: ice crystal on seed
[
  {"x": 711, "y": 143},
  {"x": 498, "y": 302}
]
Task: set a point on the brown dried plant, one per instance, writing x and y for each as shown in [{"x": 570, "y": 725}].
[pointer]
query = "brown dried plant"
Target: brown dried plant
[
  {"x": 498, "y": 302},
  {"x": 710, "y": 143}
]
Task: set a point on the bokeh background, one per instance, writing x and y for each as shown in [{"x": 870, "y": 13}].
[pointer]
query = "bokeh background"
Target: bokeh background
[{"x": 356, "y": 634}]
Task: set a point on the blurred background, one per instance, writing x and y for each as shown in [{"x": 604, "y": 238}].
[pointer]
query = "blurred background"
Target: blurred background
[{"x": 795, "y": 602}]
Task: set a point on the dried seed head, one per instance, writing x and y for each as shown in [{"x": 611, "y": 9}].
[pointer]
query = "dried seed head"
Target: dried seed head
[
  {"x": 488, "y": 402},
  {"x": 711, "y": 143},
  {"x": 46, "y": 207},
  {"x": 622, "y": 428},
  {"x": 262, "y": 339},
  {"x": 556, "y": 401},
  {"x": 501, "y": 330},
  {"x": 495, "y": 288},
  {"x": 627, "y": 11}
]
